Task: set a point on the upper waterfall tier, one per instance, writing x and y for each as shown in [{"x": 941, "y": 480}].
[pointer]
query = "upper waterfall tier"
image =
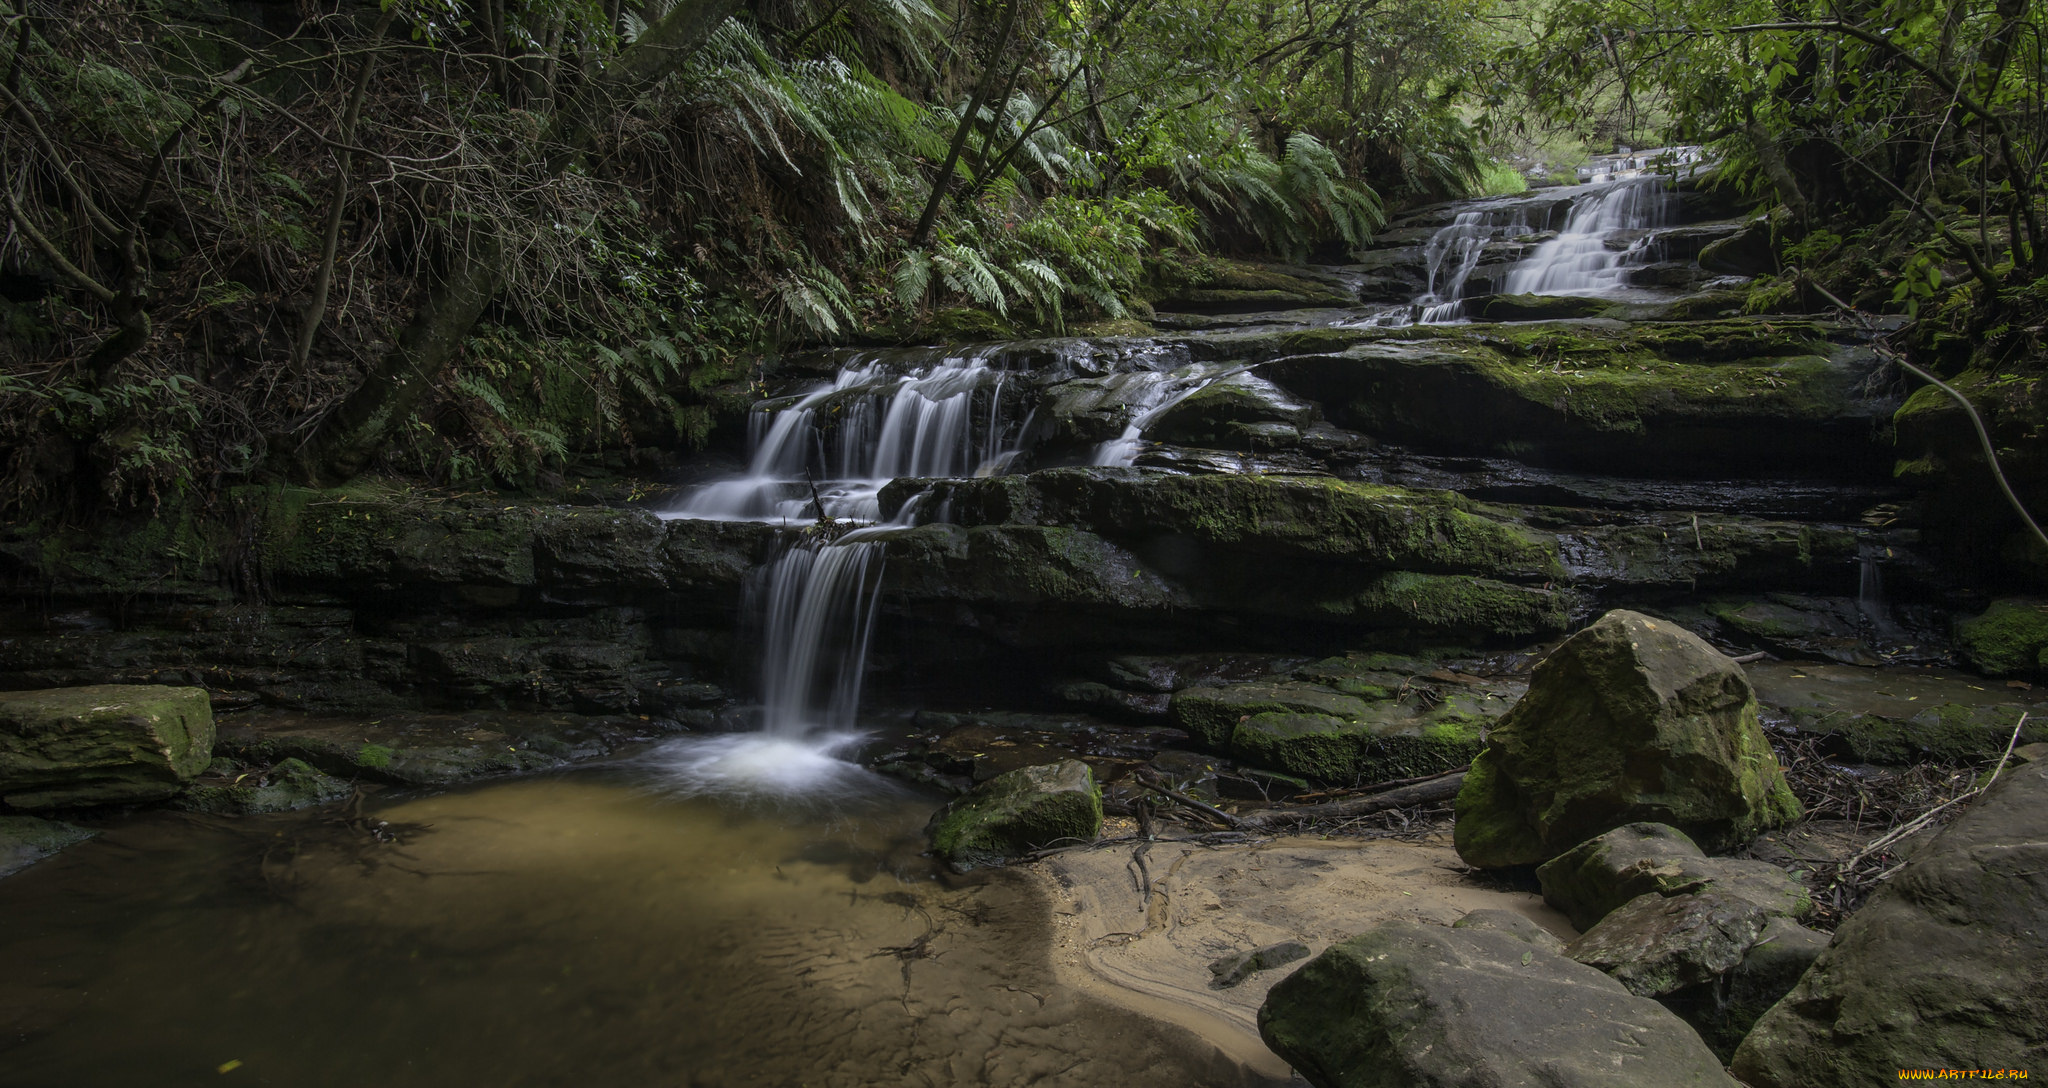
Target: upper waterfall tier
[{"x": 827, "y": 451}]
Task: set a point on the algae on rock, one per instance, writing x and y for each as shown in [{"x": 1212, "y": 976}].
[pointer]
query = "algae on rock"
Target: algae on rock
[
  {"x": 101, "y": 744},
  {"x": 1632, "y": 719}
]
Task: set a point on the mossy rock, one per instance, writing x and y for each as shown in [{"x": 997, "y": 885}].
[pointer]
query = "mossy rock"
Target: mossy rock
[
  {"x": 1948, "y": 733},
  {"x": 291, "y": 784},
  {"x": 2010, "y": 638},
  {"x": 1599, "y": 875},
  {"x": 1017, "y": 812},
  {"x": 1539, "y": 307},
  {"x": 1211, "y": 714},
  {"x": 1631, "y": 720},
  {"x": 1380, "y": 748},
  {"x": 102, "y": 744}
]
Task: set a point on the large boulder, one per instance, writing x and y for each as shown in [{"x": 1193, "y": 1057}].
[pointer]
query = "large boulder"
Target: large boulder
[
  {"x": 1599, "y": 875},
  {"x": 1945, "y": 967},
  {"x": 102, "y": 744},
  {"x": 1657, "y": 945},
  {"x": 1407, "y": 1005},
  {"x": 1632, "y": 719},
  {"x": 1014, "y": 813}
]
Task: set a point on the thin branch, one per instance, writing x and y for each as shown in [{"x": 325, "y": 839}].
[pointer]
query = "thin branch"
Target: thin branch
[{"x": 49, "y": 249}]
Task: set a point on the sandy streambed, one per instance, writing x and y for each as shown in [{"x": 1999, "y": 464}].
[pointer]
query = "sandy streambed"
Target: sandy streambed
[{"x": 1137, "y": 926}]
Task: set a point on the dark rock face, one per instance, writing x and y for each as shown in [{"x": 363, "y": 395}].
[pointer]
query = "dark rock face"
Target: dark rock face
[
  {"x": 1413, "y": 1006},
  {"x": 101, "y": 744},
  {"x": 1015, "y": 813},
  {"x": 1946, "y": 966},
  {"x": 1633, "y": 719}
]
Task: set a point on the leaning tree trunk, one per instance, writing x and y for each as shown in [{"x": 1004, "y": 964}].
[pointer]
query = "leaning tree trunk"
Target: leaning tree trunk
[{"x": 400, "y": 381}]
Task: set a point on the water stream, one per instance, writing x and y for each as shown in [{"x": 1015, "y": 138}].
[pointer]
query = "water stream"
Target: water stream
[
  {"x": 823, "y": 456},
  {"x": 555, "y": 932}
]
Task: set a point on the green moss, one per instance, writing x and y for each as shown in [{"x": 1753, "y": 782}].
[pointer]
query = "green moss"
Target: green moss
[
  {"x": 1212, "y": 715},
  {"x": 2007, "y": 639},
  {"x": 1458, "y": 603},
  {"x": 1014, "y": 813},
  {"x": 373, "y": 755}
]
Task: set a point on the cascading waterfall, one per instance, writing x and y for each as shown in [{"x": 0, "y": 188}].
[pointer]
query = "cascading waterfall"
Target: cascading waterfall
[
  {"x": 1580, "y": 260},
  {"x": 1452, "y": 253},
  {"x": 839, "y": 444},
  {"x": 826, "y": 454}
]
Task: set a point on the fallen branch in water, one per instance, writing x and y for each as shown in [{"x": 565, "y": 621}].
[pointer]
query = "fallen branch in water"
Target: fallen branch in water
[{"x": 1442, "y": 788}]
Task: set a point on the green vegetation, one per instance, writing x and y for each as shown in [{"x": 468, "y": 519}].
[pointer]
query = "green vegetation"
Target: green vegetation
[{"x": 477, "y": 242}]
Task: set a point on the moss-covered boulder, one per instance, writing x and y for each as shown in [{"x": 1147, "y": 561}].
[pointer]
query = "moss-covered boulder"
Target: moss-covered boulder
[
  {"x": 102, "y": 744},
  {"x": 1014, "y": 813},
  {"x": 1598, "y": 876},
  {"x": 1539, "y": 307},
  {"x": 1632, "y": 719},
  {"x": 1218, "y": 414},
  {"x": 25, "y": 840},
  {"x": 1944, "y": 967},
  {"x": 2009, "y": 639},
  {"x": 1406, "y": 1005}
]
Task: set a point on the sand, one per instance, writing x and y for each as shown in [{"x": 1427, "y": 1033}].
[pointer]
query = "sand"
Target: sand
[{"x": 1138, "y": 925}]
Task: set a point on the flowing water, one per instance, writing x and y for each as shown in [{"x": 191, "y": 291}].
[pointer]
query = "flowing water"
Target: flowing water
[
  {"x": 576, "y": 930},
  {"x": 824, "y": 456},
  {"x": 1584, "y": 259},
  {"x": 1608, "y": 231}
]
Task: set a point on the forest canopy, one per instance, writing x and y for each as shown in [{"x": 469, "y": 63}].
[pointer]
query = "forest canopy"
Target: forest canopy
[{"x": 475, "y": 241}]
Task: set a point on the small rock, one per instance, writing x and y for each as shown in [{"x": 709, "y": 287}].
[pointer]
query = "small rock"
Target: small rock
[
  {"x": 1406, "y": 1005},
  {"x": 1233, "y": 969},
  {"x": 1632, "y": 719},
  {"x": 1725, "y": 1010},
  {"x": 1599, "y": 875},
  {"x": 1656, "y": 945},
  {"x": 103, "y": 744},
  {"x": 25, "y": 840},
  {"x": 1024, "y": 810}
]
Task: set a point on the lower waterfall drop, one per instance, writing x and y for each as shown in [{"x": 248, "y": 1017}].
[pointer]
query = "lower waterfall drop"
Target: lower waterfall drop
[{"x": 815, "y": 605}]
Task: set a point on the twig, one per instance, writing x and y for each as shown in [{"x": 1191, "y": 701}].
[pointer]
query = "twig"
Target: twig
[
  {"x": 1437, "y": 789},
  {"x": 1210, "y": 810},
  {"x": 1977, "y": 421}
]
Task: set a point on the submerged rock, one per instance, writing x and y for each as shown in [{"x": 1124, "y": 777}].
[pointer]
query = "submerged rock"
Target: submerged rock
[
  {"x": 101, "y": 744},
  {"x": 1632, "y": 719},
  {"x": 25, "y": 840},
  {"x": 1014, "y": 813},
  {"x": 1406, "y": 1005},
  {"x": 1945, "y": 966},
  {"x": 291, "y": 784}
]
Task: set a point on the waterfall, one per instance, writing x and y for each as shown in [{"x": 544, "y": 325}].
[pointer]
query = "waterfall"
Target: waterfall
[
  {"x": 1452, "y": 253},
  {"x": 1157, "y": 392},
  {"x": 817, "y": 611},
  {"x": 1582, "y": 259},
  {"x": 838, "y": 444},
  {"x": 825, "y": 454}
]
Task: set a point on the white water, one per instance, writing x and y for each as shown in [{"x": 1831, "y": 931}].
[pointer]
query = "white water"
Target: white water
[
  {"x": 1581, "y": 260},
  {"x": 1156, "y": 393},
  {"x": 826, "y": 455},
  {"x": 829, "y": 451},
  {"x": 1452, "y": 253}
]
